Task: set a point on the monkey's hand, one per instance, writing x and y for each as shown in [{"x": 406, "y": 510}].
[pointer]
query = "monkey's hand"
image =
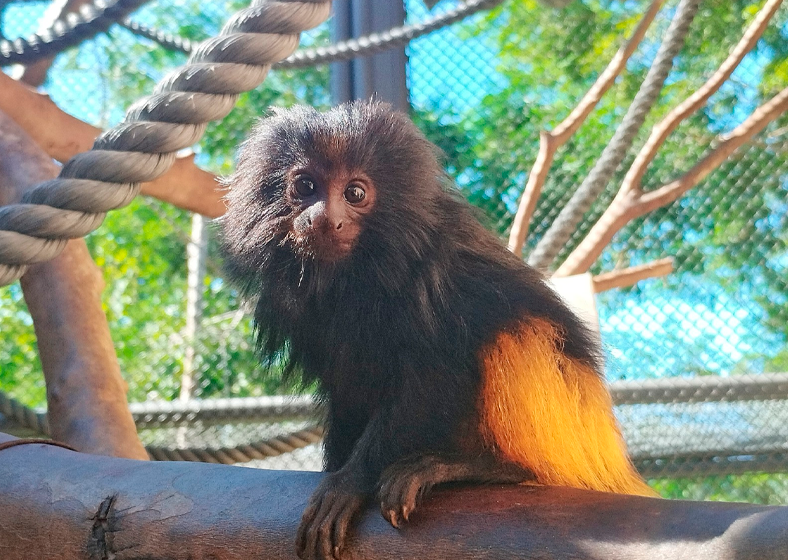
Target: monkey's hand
[
  {"x": 332, "y": 510},
  {"x": 405, "y": 483}
]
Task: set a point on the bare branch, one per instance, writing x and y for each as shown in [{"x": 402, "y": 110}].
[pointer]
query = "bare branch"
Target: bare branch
[
  {"x": 62, "y": 136},
  {"x": 698, "y": 99},
  {"x": 633, "y": 203},
  {"x": 572, "y": 214},
  {"x": 533, "y": 188},
  {"x": 549, "y": 142},
  {"x": 626, "y": 277}
]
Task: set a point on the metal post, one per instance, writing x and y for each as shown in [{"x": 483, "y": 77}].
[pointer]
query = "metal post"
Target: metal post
[{"x": 383, "y": 74}]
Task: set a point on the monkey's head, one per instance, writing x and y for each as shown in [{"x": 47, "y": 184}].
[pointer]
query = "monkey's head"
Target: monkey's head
[{"x": 354, "y": 187}]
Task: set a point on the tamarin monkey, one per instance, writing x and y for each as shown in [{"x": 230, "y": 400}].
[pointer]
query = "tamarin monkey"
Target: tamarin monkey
[{"x": 439, "y": 355}]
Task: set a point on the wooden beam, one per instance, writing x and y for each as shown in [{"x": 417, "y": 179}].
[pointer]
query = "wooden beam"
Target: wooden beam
[{"x": 62, "y": 136}]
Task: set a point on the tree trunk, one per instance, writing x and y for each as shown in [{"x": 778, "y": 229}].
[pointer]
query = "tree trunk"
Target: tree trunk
[{"x": 86, "y": 394}]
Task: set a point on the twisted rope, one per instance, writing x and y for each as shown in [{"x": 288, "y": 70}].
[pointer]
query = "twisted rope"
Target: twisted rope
[
  {"x": 687, "y": 390},
  {"x": 25, "y": 51},
  {"x": 345, "y": 50},
  {"x": 161, "y": 414},
  {"x": 143, "y": 146},
  {"x": 23, "y": 415},
  {"x": 167, "y": 40},
  {"x": 379, "y": 42},
  {"x": 89, "y": 21},
  {"x": 565, "y": 224},
  {"x": 273, "y": 447},
  {"x": 674, "y": 390},
  {"x": 725, "y": 462},
  {"x": 745, "y": 388}
]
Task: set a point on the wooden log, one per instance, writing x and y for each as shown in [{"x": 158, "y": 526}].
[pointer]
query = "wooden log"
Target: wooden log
[
  {"x": 58, "y": 504},
  {"x": 86, "y": 394}
]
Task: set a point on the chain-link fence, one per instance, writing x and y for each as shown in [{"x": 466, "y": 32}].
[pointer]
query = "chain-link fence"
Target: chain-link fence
[{"x": 482, "y": 89}]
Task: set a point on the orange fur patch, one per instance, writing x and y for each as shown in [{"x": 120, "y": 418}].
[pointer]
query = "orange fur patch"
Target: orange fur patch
[{"x": 552, "y": 414}]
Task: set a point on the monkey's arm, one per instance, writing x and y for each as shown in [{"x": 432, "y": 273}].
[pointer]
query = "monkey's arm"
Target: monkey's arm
[
  {"x": 406, "y": 425},
  {"x": 344, "y": 494},
  {"x": 340, "y": 498}
]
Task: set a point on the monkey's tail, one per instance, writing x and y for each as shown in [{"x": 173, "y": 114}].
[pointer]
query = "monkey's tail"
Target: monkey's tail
[{"x": 552, "y": 414}]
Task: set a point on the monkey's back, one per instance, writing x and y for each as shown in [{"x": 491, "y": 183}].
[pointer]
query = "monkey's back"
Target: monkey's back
[{"x": 543, "y": 403}]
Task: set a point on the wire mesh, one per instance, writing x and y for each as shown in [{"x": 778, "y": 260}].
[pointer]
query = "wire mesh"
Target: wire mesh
[{"x": 482, "y": 89}]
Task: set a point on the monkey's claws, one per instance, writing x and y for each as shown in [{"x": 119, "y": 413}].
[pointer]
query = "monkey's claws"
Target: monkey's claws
[
  {"x": 326, "y": 523},
  {"x": 402, "y": 487}
]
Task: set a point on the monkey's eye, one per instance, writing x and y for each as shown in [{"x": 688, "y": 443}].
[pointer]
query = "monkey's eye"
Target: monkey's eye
[
  {"x": 355, "y": 193},
  {"x": 304, "y": 185}
]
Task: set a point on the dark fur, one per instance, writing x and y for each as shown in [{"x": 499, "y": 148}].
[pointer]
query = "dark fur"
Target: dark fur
[{"x": 391, "y": 333}]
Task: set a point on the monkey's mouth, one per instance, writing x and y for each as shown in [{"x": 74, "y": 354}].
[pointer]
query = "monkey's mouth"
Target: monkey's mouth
[{"x": 323, "y": 247}]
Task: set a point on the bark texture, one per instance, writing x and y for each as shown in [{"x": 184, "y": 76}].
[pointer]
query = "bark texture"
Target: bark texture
[{"x": 57, "y": 504}]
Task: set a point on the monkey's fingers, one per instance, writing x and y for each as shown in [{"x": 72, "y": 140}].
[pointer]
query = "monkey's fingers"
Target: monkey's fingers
[
  {"x": 326, "y": 525},
  {"x": 400, "y": 496},
  {"x": 307, "y": 521},
  {"x": 342, "y": 522}
]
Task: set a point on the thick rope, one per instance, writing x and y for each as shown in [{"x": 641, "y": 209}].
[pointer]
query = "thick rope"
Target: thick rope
[
  {"x": 571, "y": 215},
  {"x": 25, "y": 51},
  {"x": 273, "y": 447},
  {"x": 89, "y": 21},
  {"x": 276, "y": 408},
  {"x": 345, "y": 50},
  {"x": 672, "y": 390},
  {"x": 379, "y": 42},
  {"x": 24, "y": 416},
  {"x": 744, "y": 388},
  {"x": 166, "y": 40},
  {"x": 143, "y": 146}
]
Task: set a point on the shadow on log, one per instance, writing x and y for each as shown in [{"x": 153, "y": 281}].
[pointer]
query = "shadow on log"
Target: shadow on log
[{"x": 55, "y": 503}]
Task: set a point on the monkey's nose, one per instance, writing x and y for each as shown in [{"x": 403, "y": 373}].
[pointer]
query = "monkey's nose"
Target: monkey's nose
[{"x": 339, "y": 225}]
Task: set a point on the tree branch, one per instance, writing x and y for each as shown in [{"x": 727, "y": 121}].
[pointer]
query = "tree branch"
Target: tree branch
[
  {"x": 57, "y": 504},
  {"x": 633, "y": 203},
  {"x": 572, "y": 214},
  {"x": 62, "y": 136},
  {"x": 661, "y": 131},
  {"x": 550, "y": 142},
  {"x": 625, "y": 277},
  {"x": 85, "y": 391}
]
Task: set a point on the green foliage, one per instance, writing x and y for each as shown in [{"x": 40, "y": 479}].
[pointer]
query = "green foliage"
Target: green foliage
[
  {"x": 757, "y": 488},
  {"x": 19, "y": 364}
]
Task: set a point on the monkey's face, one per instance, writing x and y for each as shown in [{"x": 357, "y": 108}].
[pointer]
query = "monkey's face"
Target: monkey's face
[
  {"x": 349, "y": 193},
  {"x": 328, "y": 208}
]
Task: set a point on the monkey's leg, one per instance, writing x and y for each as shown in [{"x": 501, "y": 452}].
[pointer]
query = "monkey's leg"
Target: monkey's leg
[{"x": 406, "y": 482}]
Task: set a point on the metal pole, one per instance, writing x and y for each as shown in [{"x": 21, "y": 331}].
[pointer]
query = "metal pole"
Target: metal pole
[{"x": 383, "y": 74}]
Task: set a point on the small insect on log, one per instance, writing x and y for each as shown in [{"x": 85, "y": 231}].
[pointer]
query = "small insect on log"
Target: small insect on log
[{"x": 439, "y": 355}]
